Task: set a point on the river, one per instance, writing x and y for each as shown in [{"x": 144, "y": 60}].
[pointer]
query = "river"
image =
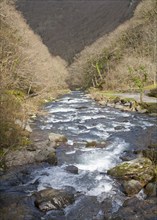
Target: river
[{"x": 82, "y": 121}]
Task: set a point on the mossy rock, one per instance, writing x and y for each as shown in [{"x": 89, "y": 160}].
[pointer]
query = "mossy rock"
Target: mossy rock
[
  {"x": 140, "y": 169},
  {"x": 52, "y": 158},
  {"x": 91, "y": 144}
]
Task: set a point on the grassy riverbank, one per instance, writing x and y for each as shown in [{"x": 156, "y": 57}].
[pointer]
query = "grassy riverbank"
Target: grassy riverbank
[{"x": 125, "y": 101}]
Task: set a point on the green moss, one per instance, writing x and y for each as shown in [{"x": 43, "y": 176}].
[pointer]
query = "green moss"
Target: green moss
[
  {"x": 17, "y": 93},
  {"x": 139, "y": 169}
]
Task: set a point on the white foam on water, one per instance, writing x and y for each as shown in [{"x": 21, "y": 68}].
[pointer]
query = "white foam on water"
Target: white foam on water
[
  {"x": 71, "y": 152},
  {"x": 70, "y": 142},
  {"x": 46, "y": 127},
  {"x": 71, "y": 101},
  {"x": 61, "y": 109},
  {"x": 102, "y": 159}
]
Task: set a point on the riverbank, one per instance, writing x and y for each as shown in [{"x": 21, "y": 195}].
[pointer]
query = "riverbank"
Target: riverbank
[{"x": 125, "y": 101}]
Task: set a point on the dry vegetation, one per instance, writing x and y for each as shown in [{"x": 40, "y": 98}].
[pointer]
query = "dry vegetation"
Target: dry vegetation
[
  {"x": 28, "y": 73},
  {"x": 106, "y": 63}
]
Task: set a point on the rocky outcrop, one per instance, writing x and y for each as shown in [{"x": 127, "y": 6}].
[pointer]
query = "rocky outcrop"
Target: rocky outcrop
[
  {"x": 42, "y": 149},
  {"x": 53, "y": 199},
  {"x": 135, "y": 174},
  {"x": 134, "y": 208}
]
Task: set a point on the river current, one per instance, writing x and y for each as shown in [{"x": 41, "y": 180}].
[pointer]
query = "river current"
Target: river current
[{"x": 82, "y": 120}]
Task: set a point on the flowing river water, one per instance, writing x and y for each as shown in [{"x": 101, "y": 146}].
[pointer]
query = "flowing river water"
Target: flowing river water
[{"x": 83, "y": 120}]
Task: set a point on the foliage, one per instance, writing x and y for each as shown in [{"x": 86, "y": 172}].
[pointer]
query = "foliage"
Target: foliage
[
  {"x": 131, "y": 44},
  {"x": 28, "y": 74}
]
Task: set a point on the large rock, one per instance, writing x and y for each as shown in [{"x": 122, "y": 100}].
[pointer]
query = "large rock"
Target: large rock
[
  {"x": 134, "y": 208},
  {"x": 19, "y": 206},
  {"x": 57, "y": 138},
  {"x": 151, "y": 189},
  {"x": 27, "y": 156},
  {"x": 53, "y": 199},
  {"x": 140, "y": 169},
  {"x": 132, "y": 187}
]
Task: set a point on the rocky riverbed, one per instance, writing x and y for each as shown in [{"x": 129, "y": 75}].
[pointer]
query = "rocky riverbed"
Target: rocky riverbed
[{"x": 86, "y": 162}]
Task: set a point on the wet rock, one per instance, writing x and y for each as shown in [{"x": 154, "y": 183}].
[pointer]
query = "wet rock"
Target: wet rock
[
  {"x": 91, "y": 144},
  {"x": 140, "y": 169},
  {"x": 151, "y": 189},
  {"x": 53, "y": 199},
  {"x": 72, "y": 169},
  {"x": 57, "y": 138},
  {"x": 136, "y": 209},
  {"x": 69, "y": 189},
  {"x": 52, "y": 158},
  {"x": 119, "y": 127},
  {"x": 81, "y": 107},
  {"x": 16, "y": 205},
  {"x": 86, "y": 207},
  {"x": 55, "y": 215},
  {"x": 132, "y": 187}
]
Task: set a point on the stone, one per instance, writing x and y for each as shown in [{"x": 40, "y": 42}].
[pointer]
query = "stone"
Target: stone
[
  {"x": 103, "y": 102},
  {"x": 91, "y": 144},
  {"x": 119, "y": 127},
  {"x": 132, "y": 187},
  {"x": 14, "y": 205},
  {"x": 72, "y": 169},
  {"x": 140, "y": 169},
  {"x": 57, "y": 138},
  {"x": 151, "y": 189},
  {"x": 52, "y": 158},
  {"x": 23, "y": 125},
  {"x": 134, "y": 208},
  {"x": 19, "y": 157},
  {"x": 53, "y": 199}
]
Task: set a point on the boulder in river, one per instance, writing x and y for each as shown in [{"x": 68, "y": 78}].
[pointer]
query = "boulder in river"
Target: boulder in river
[
  {"x": 53, "y": 199},
  {"x": 93, "y": 144},
  {"x": 151, "y": 189},
  {"x": 132, "y": 187},
  {"x": 52, "y": 158},
  {"x": 57, "y": 138},
  {"x": 140, "y": 169},
  {"x": 72, "y": 169}
]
